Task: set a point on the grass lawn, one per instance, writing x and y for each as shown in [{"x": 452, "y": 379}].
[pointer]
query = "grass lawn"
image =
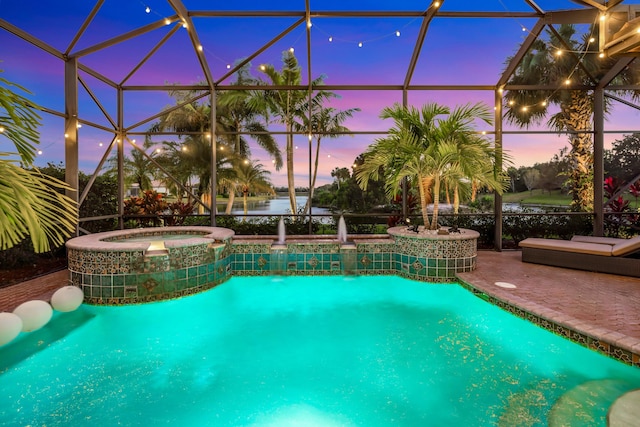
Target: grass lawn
[{"x": 538, "y": 197}]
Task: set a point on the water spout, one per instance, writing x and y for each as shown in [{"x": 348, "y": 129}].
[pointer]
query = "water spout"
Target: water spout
[
  {"x": 281, "y": 232},
  {"x": 342, "y": 230}
]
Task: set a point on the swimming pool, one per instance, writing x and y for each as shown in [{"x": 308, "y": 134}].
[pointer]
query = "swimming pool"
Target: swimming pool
[{"x": 306, "y": 351}]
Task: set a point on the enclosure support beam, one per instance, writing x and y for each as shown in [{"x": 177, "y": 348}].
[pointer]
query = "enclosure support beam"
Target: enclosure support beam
[
  {"x": 71, "y": 129},
  {"x": 497, "y": 200},
  {"x": 120, "y": 145},
  {"x": 598, "y": 161},
  {"x": 214, "y": 158}
]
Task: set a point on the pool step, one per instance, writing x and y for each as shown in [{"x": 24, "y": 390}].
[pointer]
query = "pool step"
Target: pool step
[
  {"x": 584, "y": 405},
  {"x": 529, "y": 406},
  {"x": 625, "y": 411},
  {"x": 587, "y": 404}
]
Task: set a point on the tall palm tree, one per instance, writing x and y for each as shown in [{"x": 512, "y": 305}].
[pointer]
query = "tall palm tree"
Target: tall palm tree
[
  {"x": 325, "y": 121},
  {"x": 31, "y": 204},
  {"x": 428, "y": 147},
  {"x": 543, "y": 65},
  {"x": 287, "y": 107},
  {"x": 235, "y": 109},
  {"x": 252, "y": 178}
]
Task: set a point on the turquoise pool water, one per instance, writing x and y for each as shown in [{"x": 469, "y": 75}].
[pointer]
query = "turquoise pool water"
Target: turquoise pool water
[{"x": 305, "y": 351}]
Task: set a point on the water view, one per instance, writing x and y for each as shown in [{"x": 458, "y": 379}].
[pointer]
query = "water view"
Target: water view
[{"x": 276, "y": 206}]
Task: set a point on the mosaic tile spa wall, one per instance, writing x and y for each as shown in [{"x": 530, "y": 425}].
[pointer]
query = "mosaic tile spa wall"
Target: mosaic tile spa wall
[{"x": 130, "y": 275}]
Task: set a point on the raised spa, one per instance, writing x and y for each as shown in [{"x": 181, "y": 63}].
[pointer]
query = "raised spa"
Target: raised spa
[{"x": 148, "y": 264}]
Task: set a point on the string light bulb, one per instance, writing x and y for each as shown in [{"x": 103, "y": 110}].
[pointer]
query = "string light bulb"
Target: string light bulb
[
  {"x": 263, "y": 67},
  {"x": 39, "y": 152},
  {"x": 167, "y": 21},
  {"x": 544, "y": 103},
  {"x": 398, "y": 33},
  {"x": 291, "y": 49},
  {"x": 330, "y": 39},
  {"x": 436, "y": 4},
  {"x": 100, "y": 144},
  {"x": 1, "y": 129},
  {"x": 228, "y": 66},
  {"x": 147, "y": 9},
  {"x": 200, "y": 48},
  {"x": 567, "y": 82},
  {"x": 601, "y": 55},
  {"x": 184, "y": 25},
  {"x": 360, "y": 44},
  {"x": 558, "y": 52}
]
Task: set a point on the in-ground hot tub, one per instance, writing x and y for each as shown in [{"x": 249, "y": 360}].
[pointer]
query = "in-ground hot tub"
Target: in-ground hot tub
[{"x": 148, "y": 264}]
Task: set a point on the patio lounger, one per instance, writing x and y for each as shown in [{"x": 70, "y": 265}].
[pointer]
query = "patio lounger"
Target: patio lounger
[{"x": 600, "y": 254}]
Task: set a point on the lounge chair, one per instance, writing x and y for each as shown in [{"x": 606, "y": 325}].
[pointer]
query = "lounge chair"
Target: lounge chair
[{"x": 600, "y": 254}]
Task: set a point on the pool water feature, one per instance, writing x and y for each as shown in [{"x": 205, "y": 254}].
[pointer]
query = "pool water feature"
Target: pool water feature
[{"x": 308, "y": 351}]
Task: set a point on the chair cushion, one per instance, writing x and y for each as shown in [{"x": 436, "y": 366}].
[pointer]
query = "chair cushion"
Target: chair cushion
[
  {"x": 627, "y": 247},
  {"x": 567, "y": 246},
  {"x": 596, "y": 239}
]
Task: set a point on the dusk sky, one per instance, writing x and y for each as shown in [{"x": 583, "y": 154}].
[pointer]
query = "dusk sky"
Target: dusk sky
[{"x": 457, "y": 51}]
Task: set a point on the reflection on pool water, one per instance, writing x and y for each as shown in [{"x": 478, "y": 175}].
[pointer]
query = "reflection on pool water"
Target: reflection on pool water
[{"x": 306, "y": 351}]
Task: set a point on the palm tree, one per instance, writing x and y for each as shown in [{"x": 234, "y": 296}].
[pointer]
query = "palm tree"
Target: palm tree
[
  {"x": 137, "y": 168},
  {"x": 240, "y": 115},
  {"x": 252, "y": 178},
  {"x": 31, "y": 204},
  {"x": 429, "y": 147},
  {"x": 324, "y": 122},
  {"x": 287, "y": 107},
  {"x": 543, "y": 65}
]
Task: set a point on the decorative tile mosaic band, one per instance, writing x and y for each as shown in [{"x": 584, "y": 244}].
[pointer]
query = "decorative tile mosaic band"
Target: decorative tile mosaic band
[{"x": 112, "y": 271}]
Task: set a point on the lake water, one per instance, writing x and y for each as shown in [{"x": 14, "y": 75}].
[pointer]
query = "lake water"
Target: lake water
[{"x": 276, "y": 206}]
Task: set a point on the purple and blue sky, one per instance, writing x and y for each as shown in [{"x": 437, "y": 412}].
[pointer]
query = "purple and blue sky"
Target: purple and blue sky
[{"x": 457, "y": 51}]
